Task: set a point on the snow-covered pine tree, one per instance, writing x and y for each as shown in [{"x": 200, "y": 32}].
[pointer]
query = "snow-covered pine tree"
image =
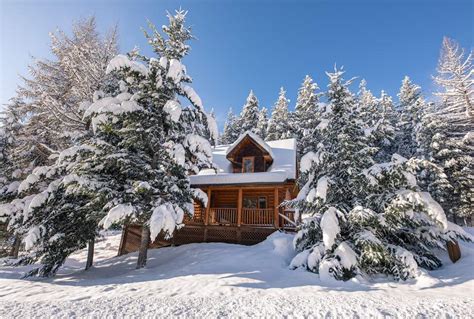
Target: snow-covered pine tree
[
  {"x": 10, "y": 125},
  {"x": 361, "y": 218},
  {"x": 446, "y": 134},
  {"x": 48, "y": 104},
  {"x": 262, "y": 123},
  {"x": 411, "y": 107},
  {"x": 278, "y": 125},
  {"x": 377, "y": 117},
  {"x": 384, "y": 132},
  {"x": 366, "y": 106},
  {"x": 209, "y": 127},
  {"x": 134, "y": 168},
  {"x": 248, "y": 119},
  {"x": 307, "y": 114},
  {"x": 231, "y": 129}
]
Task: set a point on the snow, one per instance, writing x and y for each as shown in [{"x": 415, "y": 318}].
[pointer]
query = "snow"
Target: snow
[
  {"x": 323, "y": 124},
  {"x": 330, "y": 226},
  {"x": 308, "y": 159},
  {"x": 201, "y": 196},
  {"x": 37, "y": 201},
  {"x": 433, "y": 208},
  {"x": 282, "y": 169},
  {"x": 122, "y": 61},
  {"x": 347, "y": 256},
  {"x": 28, "y": 182},
  {"x": 116, "y": 214},
  {"x": 111, "y": 105},
  {"x": 322, "y": 188},
  {"x": 32, "y": 237},
  {"x": 175, "y": 71},
  {"x": 211, "y": 280},
  {"x": 192, "y": 96},
  {"x": 213, "y": 129},
  {"x": 164, "y": 218},
  {"x": 173, "y": 109}
]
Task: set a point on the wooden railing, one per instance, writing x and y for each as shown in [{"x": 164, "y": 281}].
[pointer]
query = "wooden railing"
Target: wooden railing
[
  {"x": 249, "y": 216},
  {"x": 289, "y": 220},
  {"x": 223, "y": 216},
  {"x": 258, "y": 216}
]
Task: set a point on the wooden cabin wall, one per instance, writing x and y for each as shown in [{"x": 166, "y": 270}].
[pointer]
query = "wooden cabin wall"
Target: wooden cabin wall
[
  {"x": 249, "y": 149},
  {"x": 269, "y": 193},
  {"x": 224, "y": 198}
]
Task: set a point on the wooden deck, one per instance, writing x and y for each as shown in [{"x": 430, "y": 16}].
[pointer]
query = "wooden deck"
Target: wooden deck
[
  {"x": 243, "y": 215},
  {"x": 244, "y": 235}
]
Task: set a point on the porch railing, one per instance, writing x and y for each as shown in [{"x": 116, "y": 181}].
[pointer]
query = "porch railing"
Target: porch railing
[
  {"x": 264, "y": 217},
  {"x": 258, "y": 216},
  {"x": 223, "y": 216}
]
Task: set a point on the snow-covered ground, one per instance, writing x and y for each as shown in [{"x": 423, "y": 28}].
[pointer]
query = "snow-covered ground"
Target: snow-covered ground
[{"x": 224, "y": 280}]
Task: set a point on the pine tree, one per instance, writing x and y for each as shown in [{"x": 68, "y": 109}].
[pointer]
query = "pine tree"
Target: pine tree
[
  {"x": 278, "y": 125},
  {"x": 231, "y": 129},
  {"x": 411, "y": 107},
  {"x": 249, "y": 116},
  {"x": 455, "y": 76},
  {"x": 362, "y": 218},
  {"x": 262, "y": 123},
  {"x": 446, "y": 134},
  {"x": 49, "y": 107},
  {"x": 384, "y": 133},
  {"x": 134, "y": 167},
  {"x": 307, "y": 113}
]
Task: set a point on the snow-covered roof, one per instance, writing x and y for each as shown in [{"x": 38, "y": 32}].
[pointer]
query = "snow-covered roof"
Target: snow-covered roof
[
  {"x": 283, "y": 167},
  {"x": 254, "y": 137}
]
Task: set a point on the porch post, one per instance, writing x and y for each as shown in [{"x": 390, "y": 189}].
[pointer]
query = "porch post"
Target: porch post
[
  {"x": 208, "y": 207},
  {"x": 239, "y": 208},
  {"x": 276, "y": 217}
]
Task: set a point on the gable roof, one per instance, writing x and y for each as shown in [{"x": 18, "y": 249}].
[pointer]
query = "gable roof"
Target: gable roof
[
  {"x": 255, "y": 138},
  {"x": 282, "y": 169}
]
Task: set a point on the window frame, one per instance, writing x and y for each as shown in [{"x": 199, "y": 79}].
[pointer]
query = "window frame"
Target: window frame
[
  {"x": 252, "y": 158},
  {"x": 258, "y": 202}
]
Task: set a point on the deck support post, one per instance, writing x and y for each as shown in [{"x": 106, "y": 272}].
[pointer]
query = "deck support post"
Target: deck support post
[
  {"x": 208, "y": 207},
  {"x": 276, "y": 217},
  {"x": 239, "y": 207}
]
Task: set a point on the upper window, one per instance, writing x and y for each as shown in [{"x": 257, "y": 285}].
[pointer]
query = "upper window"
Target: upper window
[{"x": 248, "y": 164}]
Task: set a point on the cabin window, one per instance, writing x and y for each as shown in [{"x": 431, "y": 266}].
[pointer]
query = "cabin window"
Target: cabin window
[
  {"x": 262, "y": 202},
  {"x": 250, "y": 202},
  {"x": 248, "y": 164}
]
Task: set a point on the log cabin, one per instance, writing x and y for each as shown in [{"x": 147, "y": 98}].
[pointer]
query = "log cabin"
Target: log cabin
[{"x": 245, "y": 191}]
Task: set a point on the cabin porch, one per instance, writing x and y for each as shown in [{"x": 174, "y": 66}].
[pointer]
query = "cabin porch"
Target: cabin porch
[
  {"x": 240, "y": 215},
  {"x": 245, "y": 206}
]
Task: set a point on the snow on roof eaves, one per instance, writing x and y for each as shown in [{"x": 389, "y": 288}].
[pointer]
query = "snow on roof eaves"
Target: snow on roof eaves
[
  {"x": 282, "y": 169},
  {"x": 253, "y": 136}
]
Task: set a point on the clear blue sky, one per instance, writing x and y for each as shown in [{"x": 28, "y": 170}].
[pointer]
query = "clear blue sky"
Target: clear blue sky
[{"x": 259, "y": 45}]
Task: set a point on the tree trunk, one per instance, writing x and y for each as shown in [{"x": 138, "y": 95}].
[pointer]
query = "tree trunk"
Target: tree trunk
[
  {"x": 16, "y": 247},
  {"x": 142, "y": 253},
  {"x": 90, "y": 253}
]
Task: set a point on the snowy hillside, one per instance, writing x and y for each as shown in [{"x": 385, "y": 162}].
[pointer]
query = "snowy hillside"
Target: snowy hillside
[{"x": 223, "y": 280}]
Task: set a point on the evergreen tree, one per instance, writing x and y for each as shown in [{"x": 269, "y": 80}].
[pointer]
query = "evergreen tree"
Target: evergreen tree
[
  {"x": 307, "y": 113},
  {"x": 446, "y": 132},
  {"x": 134, "y": 166},
  {"x": 231, "y": 129},
  {"x": 249, "y": 116},
  {"x": 384, "y": 132},
  {"x": 411, "y": 107},
  {"x": 49, "y": 107},
  {"x": 262, "y": 123},
  {"x": 366, "y": 106},
  {"x": 278, "y": 125},
  {"x": 362, "y": 218}
]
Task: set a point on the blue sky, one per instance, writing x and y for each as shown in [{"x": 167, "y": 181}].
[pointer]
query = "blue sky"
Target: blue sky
[{"x": 259, "y": 45}]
